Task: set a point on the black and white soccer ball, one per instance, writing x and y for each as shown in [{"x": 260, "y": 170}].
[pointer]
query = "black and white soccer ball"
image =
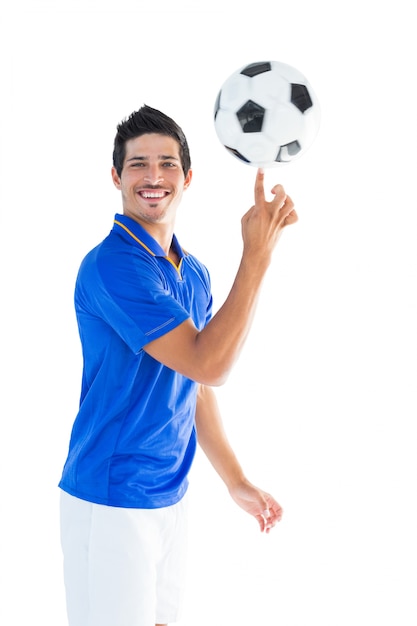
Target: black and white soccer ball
[{"x": 266, "y": 114}]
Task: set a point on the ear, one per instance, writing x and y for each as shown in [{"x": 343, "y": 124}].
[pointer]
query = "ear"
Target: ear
[
  {"x": 115, "y": 177},
  {"x": 188, "y": 178}
]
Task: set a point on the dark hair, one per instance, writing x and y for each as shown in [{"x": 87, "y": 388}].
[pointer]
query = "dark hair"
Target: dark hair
[{"x": 148, "y": 120}]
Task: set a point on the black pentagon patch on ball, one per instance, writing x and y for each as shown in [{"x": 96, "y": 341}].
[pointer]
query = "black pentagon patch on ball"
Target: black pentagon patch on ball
[
  {"x": 237, "y": 154},
  {"x": 288, "y": 150},
  {"x": 256, "y": 68},
  {"x": 251, "y": 117},
  {"x": 300, "y": 97}
]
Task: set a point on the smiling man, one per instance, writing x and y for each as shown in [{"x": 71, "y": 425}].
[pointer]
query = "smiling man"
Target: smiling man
[
  {"x": 152, "y": 180},
  {"x": 152, "y": 353}
]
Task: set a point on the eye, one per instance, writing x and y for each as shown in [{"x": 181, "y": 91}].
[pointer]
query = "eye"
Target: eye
[{"x": 169, "y": 164}]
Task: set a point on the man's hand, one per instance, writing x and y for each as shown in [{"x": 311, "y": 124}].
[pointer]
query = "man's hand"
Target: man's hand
[
  {"x": 264, "y": 508},
  {"x": 263, "y": 224}
]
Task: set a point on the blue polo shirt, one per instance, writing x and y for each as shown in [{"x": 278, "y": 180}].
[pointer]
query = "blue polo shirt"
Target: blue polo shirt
[{"x": 134, "y": 437}]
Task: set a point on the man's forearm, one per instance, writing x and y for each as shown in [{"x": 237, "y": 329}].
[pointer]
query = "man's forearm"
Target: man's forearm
[{"x": 213, "y": 439}]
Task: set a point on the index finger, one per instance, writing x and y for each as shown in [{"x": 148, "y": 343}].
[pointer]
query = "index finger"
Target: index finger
[{"x": 259, "y": 186}]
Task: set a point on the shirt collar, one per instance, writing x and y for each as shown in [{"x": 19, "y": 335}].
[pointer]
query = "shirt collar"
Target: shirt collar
[{"x": 135, "y": 233}]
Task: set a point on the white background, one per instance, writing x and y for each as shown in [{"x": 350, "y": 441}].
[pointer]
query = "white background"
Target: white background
[{"x": 322, "y": 404}]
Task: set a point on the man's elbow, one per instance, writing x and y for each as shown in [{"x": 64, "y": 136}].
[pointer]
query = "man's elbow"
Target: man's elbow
[{"x": 213, "y": 375}]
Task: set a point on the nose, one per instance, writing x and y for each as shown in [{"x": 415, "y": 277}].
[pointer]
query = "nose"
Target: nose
[{"x": 153, "y": 175}]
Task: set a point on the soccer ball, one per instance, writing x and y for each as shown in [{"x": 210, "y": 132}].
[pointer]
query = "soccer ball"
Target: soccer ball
[{"x": 266, "y": 114}]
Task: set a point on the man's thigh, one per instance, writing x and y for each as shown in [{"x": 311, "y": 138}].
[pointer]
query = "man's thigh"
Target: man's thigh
[{"x": 122, "y": 566}]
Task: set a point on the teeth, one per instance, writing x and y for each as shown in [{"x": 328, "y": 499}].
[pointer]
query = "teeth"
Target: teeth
[{"x": 152, "y": 194}]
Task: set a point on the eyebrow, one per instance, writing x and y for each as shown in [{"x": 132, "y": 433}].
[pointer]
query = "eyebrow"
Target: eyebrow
[{"x": 161, "y": 157}]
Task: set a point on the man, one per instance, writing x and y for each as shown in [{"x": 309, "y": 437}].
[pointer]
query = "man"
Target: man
[{"x": 152, "y": 352}]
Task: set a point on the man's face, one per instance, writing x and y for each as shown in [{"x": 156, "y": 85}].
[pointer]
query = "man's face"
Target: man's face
[{"x": 152, "y": 180}]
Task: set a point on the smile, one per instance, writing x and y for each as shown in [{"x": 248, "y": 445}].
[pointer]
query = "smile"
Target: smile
[{"x": 153, "y": 194}]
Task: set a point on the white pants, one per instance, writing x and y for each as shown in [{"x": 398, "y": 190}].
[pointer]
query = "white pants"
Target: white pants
[{"x": 122, "y": 567}]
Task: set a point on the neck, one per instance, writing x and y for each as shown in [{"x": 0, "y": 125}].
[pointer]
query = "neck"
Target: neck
[{"x": 161, "y": 232}]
